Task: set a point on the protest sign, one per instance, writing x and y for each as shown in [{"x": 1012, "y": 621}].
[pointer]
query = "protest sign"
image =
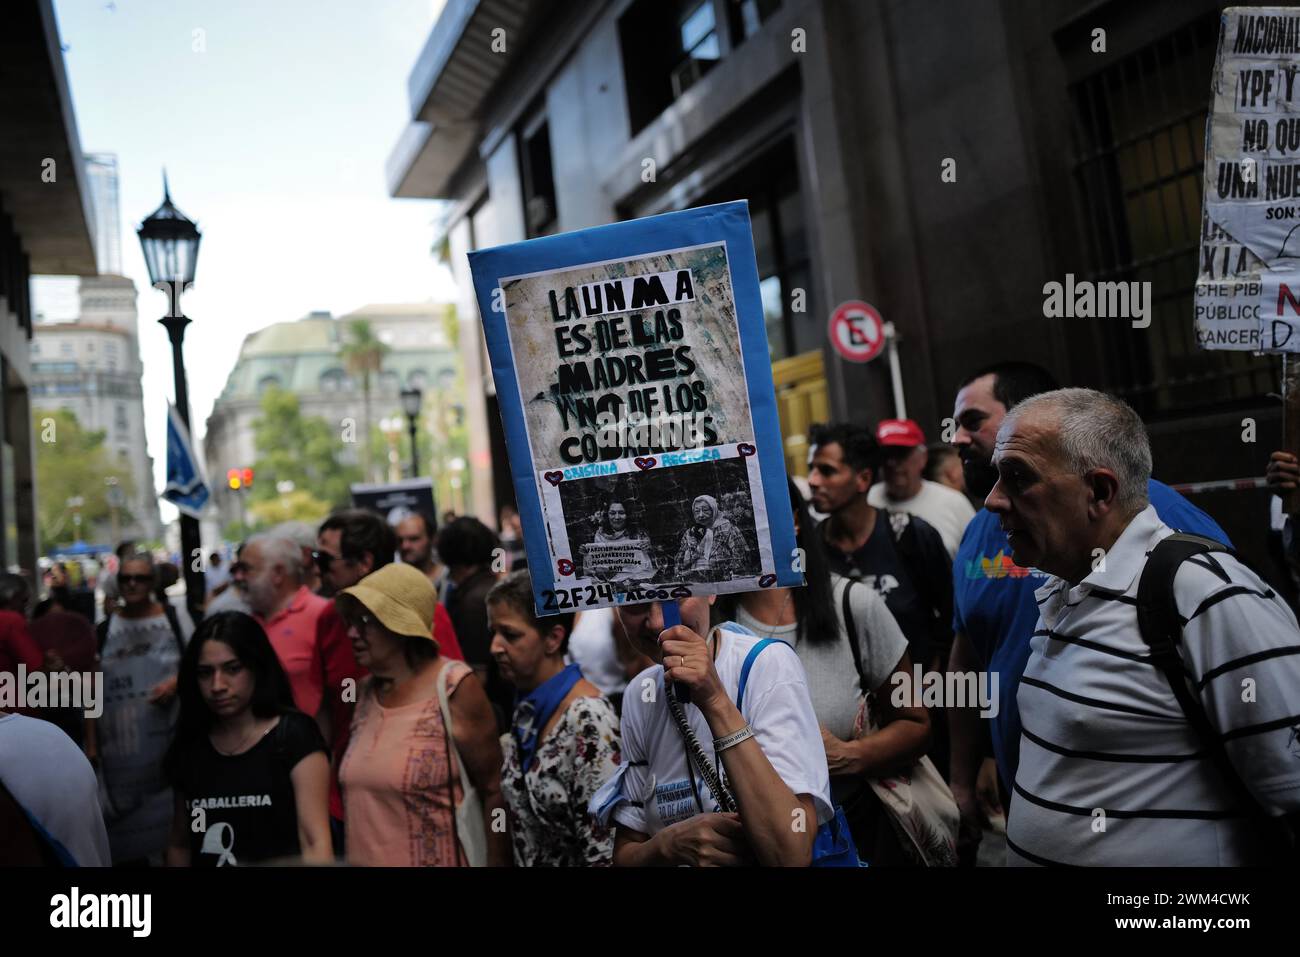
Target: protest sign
[
  {"x": 1248, "y": 282},
  {"x": 396, "y": 500},
  {"x": 635, "y": 388}
]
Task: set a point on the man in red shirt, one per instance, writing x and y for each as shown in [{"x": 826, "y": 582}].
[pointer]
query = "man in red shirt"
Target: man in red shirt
[
  {"x": 304, "y": 629},
  {"x": 353, "y": 543}
]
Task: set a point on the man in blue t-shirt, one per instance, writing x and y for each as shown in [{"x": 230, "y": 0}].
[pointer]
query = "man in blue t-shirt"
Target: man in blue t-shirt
[{"x": 994, "y": 611}]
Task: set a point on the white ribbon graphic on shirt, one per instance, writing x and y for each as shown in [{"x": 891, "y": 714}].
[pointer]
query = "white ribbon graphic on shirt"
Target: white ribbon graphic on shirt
[{"x": 213, "y": 843}]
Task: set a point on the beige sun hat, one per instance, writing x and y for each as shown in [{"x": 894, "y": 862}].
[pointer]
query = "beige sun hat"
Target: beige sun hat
[{"x": 401, "y": 597}]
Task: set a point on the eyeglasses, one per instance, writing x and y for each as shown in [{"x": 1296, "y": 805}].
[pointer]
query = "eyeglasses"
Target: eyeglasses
[
  {"x": 323, "y": 560},
  {"x": 360, "y": 622},
  {"x": 134, "y": 579}
]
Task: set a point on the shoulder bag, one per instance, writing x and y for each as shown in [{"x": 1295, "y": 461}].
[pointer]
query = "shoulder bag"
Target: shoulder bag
[
  {"x": 467, "y": 816},
  {"x": 918, "y": 801}
]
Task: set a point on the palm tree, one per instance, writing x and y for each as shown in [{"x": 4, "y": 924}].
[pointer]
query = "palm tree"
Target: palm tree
[{"x": 364, "y": 353}]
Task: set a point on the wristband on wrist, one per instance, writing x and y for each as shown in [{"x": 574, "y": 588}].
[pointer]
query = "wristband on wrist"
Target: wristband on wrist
[{"x": 731, "y": 740}]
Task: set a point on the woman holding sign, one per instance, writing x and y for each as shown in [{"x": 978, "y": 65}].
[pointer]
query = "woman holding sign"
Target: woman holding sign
[
  {"x": 753, "y": 740},
  {"x": 819, "y": 621}
]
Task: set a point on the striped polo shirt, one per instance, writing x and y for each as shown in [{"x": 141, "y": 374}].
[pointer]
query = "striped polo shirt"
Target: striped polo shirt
[{"x": 1111, "y": 773}]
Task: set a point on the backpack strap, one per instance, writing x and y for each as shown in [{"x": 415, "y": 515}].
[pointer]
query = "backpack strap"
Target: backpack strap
[
  {"x": 101, "y": 633},
  {"x": 1161, "y": 628},
  {"x": 175, "y": 624},
  {"x": 908, "y": 545},
  {"x": 749, "y": 663},
  {"x": 850, "y": 629}
]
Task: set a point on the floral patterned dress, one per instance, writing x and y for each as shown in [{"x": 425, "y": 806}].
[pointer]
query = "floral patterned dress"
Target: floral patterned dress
[{"x": 549, "y": 823}]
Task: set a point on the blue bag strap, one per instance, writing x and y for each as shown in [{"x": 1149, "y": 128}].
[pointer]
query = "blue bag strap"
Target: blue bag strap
[{"x": 749, "y": 663}]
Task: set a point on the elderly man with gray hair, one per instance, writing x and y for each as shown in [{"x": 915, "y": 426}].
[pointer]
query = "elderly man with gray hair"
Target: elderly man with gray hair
[
  {"x": 305, "y": 630},
  {"x": 1119, "y": 765}
]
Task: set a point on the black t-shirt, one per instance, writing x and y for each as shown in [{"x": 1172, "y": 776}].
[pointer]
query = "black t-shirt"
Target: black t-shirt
[
  {"x": 248, "y": 806},
  {"x": 923, "y": 609}
]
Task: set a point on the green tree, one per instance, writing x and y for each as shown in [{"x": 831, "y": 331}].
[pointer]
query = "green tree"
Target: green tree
[
  {"x": 364, "y": 353},
  {"x": 298, "y": 505},
  {"x": 72, "y": 463},
  {"x": 304, "y": 450}
]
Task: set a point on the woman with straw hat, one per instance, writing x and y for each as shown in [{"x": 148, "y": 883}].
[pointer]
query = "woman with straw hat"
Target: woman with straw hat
[{"x": 421, "y": 777}]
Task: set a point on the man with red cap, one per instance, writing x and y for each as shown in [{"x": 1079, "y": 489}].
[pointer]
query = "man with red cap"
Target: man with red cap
[{"x": 903, "y": 488}]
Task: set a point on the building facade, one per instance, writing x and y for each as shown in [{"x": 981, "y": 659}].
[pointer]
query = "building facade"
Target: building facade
[
  {"x": 940, "y": 161},
  {"x": 92, "y": 369},
  {"x": 101, "y": 172},
  {"x": 306, "y": 358},
  {"x": 46, "y": 226}
]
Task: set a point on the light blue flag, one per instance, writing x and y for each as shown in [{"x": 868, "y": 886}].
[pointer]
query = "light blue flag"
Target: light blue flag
[{"x": 186, "y": 488}]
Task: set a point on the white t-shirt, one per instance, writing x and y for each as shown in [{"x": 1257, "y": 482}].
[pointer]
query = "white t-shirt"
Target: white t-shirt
[
  {"x": 592, "y": 648},
  {"x": 654, "y": 784},
  {"x": 54, "y": 783},
  {"x": 833, "y": 682},
  {"x": 945, "y": 508}
]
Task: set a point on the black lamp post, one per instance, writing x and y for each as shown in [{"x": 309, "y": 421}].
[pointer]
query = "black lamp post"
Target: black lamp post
[
  {"x": 411, "y": 399},
  {"x": 171, "y": 249}
]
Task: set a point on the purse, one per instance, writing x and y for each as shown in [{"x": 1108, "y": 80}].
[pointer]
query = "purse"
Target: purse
[
  {"x": 917, "y": 801},
  {"x": 468, "y": 820}
]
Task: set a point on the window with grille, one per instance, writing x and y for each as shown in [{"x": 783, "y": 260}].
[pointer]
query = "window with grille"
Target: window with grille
[{"x": 1139, "y": 129}]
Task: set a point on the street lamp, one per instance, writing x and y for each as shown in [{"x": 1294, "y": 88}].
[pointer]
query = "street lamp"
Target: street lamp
[
  {"x": 284, "y": 487},
  {"x": 411, "y": 401},
  {"x": 115, "y": 501},
  {"x": 391, "y": 426},
  {"x": 171, "y": 250},
  {"x": 457, "y": 465},
  {"x": 75, "y": 504}
]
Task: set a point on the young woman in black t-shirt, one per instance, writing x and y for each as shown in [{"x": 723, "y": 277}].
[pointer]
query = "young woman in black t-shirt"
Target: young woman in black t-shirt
[{"x": 251, "y": 772}]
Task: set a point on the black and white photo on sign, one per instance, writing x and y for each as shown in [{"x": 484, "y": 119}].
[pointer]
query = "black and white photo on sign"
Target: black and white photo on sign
[{"x": 690, "y": 523}]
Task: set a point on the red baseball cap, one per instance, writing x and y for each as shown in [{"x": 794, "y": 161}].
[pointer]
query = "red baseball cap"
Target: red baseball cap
[{"x": 899, "y": 433}]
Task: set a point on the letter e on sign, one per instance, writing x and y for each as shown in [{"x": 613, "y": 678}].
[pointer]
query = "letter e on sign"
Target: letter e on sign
[{"x": 857, "y": 331}]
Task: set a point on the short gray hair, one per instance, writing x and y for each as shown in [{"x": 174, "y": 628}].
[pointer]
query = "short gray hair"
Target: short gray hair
[
  {"x": 301, "y": 533},
  {"x": 279, "y": 551},
  {"x": 140, "y": 556},
  {"x": 1096, "y": 430}
]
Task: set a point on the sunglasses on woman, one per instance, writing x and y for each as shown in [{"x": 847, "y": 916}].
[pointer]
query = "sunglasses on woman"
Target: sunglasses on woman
[
  {"x": 134, "y": 579},
  {"x": 360, "y": 622}
]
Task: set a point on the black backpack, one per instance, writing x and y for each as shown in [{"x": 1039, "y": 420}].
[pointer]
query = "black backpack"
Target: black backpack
[
  {"x": 1162, "y": 630},
  {"x": 938, "y": 606}
]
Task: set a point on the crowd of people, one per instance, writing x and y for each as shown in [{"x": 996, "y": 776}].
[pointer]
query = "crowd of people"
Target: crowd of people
[{"x": 388, "y": 696}]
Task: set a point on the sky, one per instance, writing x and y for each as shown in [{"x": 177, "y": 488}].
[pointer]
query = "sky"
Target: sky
[{"x": 274, "y": 119}]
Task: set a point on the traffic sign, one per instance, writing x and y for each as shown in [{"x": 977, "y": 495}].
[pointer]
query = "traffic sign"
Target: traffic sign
[{"x": 857, "y": 331}]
